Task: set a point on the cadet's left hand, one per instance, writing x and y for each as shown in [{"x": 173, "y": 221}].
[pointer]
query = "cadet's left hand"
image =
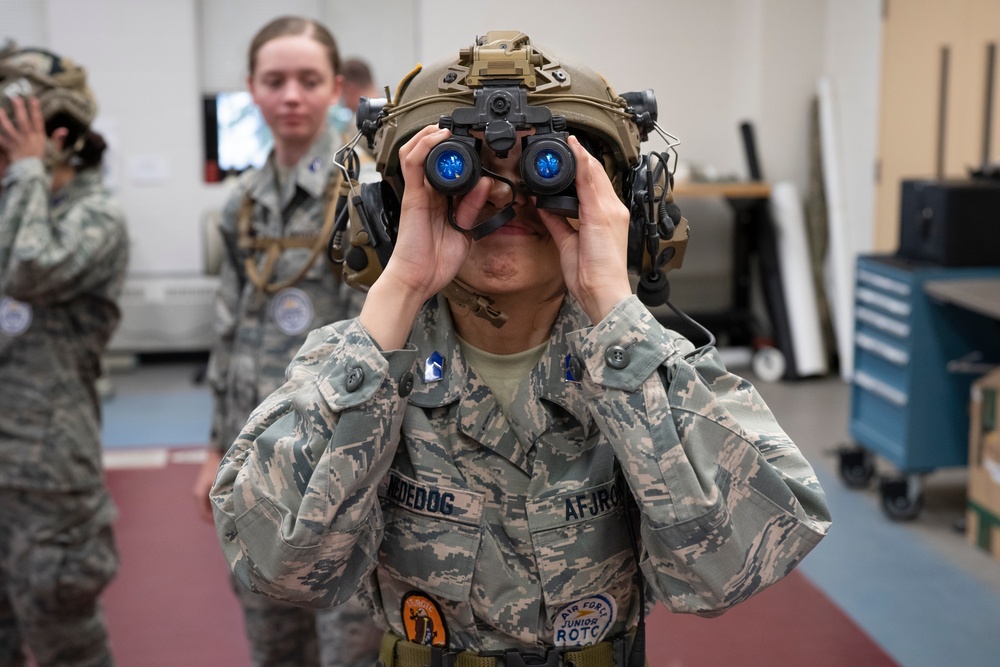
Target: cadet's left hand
[
  {"x": 594, "y": 259},
  {"x": 24, "y": 135}
]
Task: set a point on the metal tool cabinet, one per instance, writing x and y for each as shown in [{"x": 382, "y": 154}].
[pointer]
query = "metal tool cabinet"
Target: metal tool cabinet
[{"x": 914, "y": 361}]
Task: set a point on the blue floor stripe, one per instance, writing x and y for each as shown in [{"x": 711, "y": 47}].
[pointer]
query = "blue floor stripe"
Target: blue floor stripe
[
  {"x": 169, "y": 418},
  {"x": 922, "y": 609}
]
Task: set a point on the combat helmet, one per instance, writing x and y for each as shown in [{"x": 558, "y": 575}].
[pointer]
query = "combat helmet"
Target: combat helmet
[
  {"x": 576, "y": 99},
  {"x": 58, "y": 82}
]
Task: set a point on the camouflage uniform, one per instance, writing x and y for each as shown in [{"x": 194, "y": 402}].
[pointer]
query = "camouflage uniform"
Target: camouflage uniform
[
  {"x": 258, "y": 335},
  {"x": 62, "y": 265},
  {"x": 346, "y": 476}
]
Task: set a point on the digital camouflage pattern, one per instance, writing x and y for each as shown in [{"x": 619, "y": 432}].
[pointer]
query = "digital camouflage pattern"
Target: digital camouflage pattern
[
  {"x": 57, "y": 553},
  {"x": 330, "y": 485},
  {"x": 258, "y": 334},
  {"x": 62, "y": 266}
]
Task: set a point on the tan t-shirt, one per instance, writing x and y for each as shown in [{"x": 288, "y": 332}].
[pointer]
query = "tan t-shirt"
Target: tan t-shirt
[{"x": 503, "y": 373}]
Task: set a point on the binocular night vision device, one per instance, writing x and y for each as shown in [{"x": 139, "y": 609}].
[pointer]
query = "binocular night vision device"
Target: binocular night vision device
[{"x": 500, "y": 114}]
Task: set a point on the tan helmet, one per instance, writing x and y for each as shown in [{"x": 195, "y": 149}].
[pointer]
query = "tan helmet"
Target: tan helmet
[
  {"x": 569, "y": 89},
  {"x": 59, "y": 84}
]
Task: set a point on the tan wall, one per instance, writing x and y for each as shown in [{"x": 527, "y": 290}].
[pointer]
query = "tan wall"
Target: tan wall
[{"x": 914, "y": 32}]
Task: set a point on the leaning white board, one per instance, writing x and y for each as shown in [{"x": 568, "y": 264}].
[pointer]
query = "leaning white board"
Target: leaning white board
[
  {"x": 839, "y": 269},
  {"x": 797, "y": 284}
]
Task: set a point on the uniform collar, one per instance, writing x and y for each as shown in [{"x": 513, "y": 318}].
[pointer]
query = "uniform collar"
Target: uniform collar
[
  {"x": 83, "y": 181},
  {"x": 310, "y": 173},
  {"x": 478, "y": 415}
]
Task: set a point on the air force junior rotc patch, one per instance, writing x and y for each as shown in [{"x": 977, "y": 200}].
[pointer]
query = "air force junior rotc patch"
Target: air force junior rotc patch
[
  {"x": 584, "y": 622},
  {"x": 423, "y": 620},
  {"x": 15, "y": 316},
  {"x": 292, "y": 311}
]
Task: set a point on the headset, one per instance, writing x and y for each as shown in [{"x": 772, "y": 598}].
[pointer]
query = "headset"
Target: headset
[{"x": 510, "y": 81}]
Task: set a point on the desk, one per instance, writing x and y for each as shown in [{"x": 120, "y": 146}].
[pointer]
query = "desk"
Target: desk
[
  {"x": 754, "y": 237},
  {"x": 980, "y": 295}
]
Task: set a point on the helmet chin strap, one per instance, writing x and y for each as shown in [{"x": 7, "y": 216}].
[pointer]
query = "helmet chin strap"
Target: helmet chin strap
[{"x": 479, "y": 304}]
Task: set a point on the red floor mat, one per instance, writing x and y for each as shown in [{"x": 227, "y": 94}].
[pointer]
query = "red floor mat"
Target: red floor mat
[{"x": 171, "y": 603}]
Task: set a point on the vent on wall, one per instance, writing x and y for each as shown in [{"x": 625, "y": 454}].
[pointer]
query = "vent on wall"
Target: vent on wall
[{"x": 166, "y": 314}]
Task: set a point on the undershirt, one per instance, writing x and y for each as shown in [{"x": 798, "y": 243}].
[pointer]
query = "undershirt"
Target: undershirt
[{"x": 503, "y": 373}]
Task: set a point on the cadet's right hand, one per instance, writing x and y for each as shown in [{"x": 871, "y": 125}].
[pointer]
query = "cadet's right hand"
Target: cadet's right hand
[
  {"x": 203, "y": 484},
  {"x": 23, "y": 135},
  {"x": 428, "y": 251}
]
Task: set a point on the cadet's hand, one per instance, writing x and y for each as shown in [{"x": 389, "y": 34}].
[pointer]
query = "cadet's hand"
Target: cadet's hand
[
  {"x": 428, "y": 251},
  {"x": 594, "y": 259},
  {"x": 24, "y": 135},
  {"x": 203, "y": 484}
]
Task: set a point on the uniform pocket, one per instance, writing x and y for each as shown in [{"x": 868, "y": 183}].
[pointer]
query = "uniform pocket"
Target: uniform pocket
[
  {"x": 582, "y": 545},
  {"x": 432, "y": 536},
  {"x": 70, "y": 571}
]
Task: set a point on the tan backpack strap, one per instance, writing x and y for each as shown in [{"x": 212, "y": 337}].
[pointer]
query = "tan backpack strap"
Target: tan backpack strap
[{"x": 275, "y": 246}]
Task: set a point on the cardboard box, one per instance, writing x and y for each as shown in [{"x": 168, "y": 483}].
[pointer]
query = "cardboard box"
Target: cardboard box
[{"x": 984, "y": 464}]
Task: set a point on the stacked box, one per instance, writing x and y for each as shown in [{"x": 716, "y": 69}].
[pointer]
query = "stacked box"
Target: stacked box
[{"x": 984, "y": 464}]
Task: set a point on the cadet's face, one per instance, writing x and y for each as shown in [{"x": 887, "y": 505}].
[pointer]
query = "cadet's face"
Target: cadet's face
[
  {"x": 294, "y": 86},
  {"x": 521, "y": 256}
]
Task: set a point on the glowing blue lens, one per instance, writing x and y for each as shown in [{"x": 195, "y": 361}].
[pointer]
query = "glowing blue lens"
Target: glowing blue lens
[
  {"x": 548, "y": 164},
  {"x": 450, "y": 165}
]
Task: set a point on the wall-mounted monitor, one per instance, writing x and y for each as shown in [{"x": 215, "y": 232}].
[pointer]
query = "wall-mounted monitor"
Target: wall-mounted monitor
[{"x": 236, "y": 136}]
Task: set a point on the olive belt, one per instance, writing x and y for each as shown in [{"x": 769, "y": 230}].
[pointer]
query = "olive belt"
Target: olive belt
[{"x": 397, "y": 652}]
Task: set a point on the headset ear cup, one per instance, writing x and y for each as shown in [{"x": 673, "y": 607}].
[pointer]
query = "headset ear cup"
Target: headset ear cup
[{"x": 374, "y": 216}]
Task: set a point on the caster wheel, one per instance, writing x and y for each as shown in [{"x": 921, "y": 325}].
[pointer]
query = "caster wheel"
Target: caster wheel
[
  {"x": 856, "y": 468},
  {"x": 897, "y": 503},
  {"x": 769, "y": 364}
]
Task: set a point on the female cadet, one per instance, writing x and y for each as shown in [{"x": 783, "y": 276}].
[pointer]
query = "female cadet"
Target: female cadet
[
  {"x": 63, "y": 252},
  {"x": 483, "y": 505},
  {"x": 273, "y": 292}
]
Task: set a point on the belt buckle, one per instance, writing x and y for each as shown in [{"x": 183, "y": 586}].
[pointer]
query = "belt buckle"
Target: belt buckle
[{"x": 514, "y": 658}]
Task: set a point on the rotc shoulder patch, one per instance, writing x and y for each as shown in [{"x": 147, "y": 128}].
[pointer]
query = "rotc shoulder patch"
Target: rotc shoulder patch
[
  {"x": 584, "y": 622},
  {"x": 292, "y": 311},
  {"x": 15, "y": 316},
  {"x": 423, "y": 620}
]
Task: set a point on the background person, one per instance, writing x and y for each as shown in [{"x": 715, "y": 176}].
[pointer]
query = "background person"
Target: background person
[
  {"x": 63, "y": 254},
  {"x": 275, "y": 287},
  {"x": 476, "y": 478}
]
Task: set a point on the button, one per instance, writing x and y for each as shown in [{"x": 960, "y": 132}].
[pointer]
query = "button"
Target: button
[
  {"x": 576, "y": 369},
  {"x": 617, "y": 356},
  {"x": 406, "y": 384},
  {"x": 354, "y": 378}
]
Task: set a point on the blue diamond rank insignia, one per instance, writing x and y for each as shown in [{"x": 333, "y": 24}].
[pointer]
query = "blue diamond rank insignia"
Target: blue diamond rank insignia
[
  {"x": 573, "y": 368},
  {"x": 434, "y": 367}
]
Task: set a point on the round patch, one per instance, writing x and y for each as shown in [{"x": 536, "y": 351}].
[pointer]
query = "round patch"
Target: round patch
[
  {"x": 15, "y": 316},
  {"x": 584, "y": 622},
  {"x": 423, "y": 620},
  {"x": 292, "y": 311}
]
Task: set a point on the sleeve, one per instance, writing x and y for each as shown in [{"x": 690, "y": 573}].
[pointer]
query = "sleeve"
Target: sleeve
[
  {"x": 45, "y": 261},
  {"x": 728, "y": 503},
  {"x": 225, "y": 321},
  {"x": 295, "y": 500}
]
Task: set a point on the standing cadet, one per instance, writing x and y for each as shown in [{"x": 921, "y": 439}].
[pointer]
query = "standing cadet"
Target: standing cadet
[
  {"x": 63, "y": 251},
  {"x": 468, "y": 449},
  {"x": 276, "y": 286}
]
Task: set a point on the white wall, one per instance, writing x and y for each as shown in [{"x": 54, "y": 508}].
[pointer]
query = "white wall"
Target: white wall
[{"x": 712, "y": 63}]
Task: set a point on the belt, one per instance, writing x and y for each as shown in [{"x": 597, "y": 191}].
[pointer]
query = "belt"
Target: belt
[{"x": 397, "y": 652}]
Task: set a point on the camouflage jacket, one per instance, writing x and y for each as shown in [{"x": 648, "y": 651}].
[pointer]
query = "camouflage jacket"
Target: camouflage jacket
[
  {"x": 62, "y": 266},
  {"x": 511, "y": 525},
  {"x": 257, "y": 333}
]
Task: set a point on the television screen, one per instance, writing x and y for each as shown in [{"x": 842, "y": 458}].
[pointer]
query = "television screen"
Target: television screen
[{"x": 241, "y": 138}]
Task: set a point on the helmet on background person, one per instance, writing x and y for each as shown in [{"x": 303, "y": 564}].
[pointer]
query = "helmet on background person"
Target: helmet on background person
[
  {"x": 60, "y": 85},
  {"x": 506, "y": 89}
]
